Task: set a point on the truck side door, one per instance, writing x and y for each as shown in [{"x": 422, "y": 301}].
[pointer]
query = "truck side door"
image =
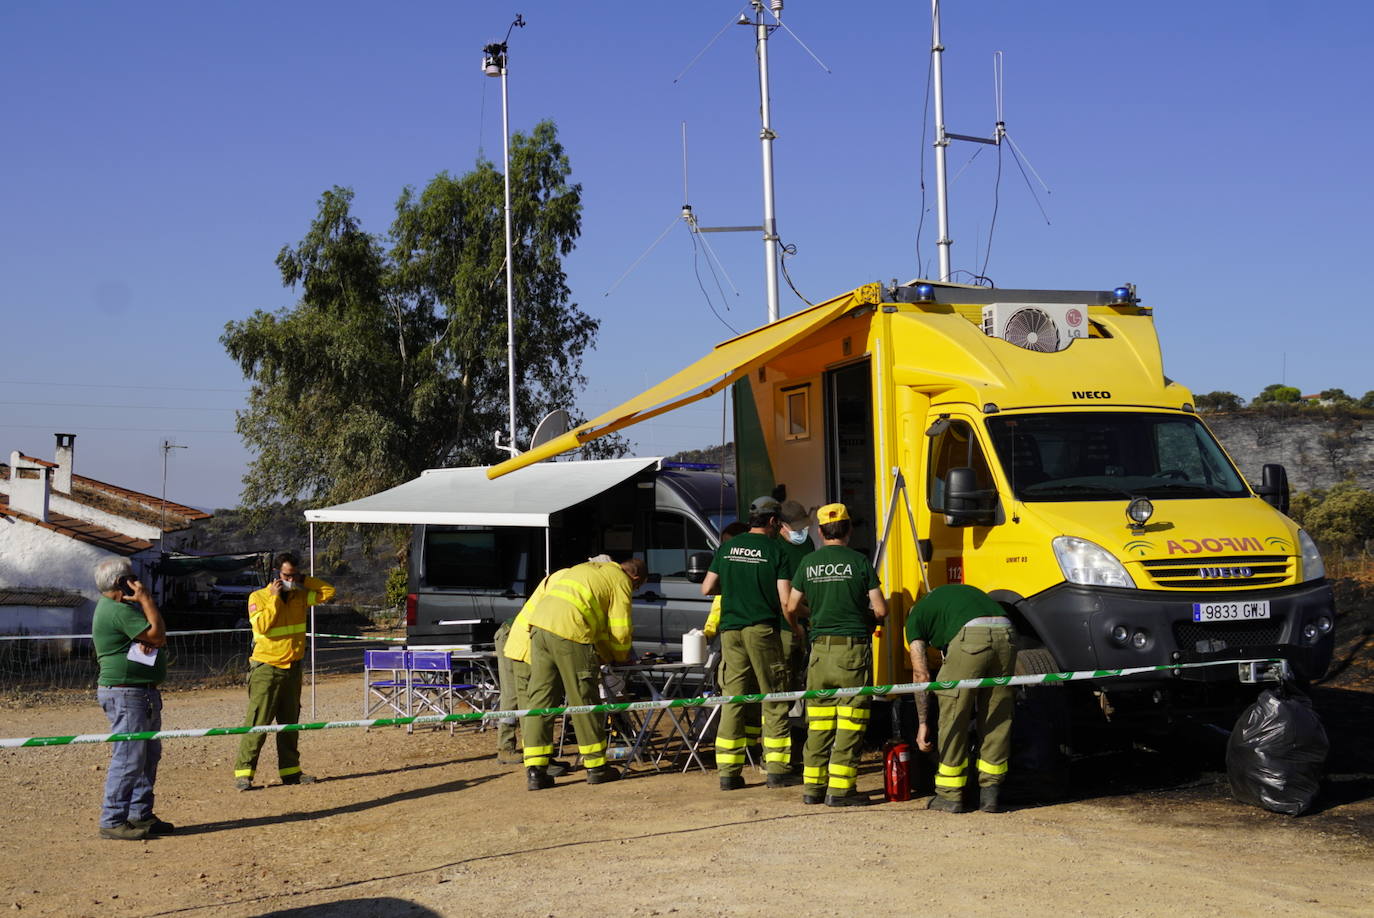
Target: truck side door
[{"x": 953, "y": 445}]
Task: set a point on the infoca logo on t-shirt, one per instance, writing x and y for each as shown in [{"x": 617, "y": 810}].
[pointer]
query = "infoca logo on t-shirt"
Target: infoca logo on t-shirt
[
  {"x": 747, "y": 555},
  {"x": 821, "y": 573}
]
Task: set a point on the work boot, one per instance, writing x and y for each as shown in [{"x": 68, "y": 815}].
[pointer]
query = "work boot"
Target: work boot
[
  {"x": 537, "y": 778},
  {"x": 988, "y": 800},
  {"x": 558, "y": 769},
  {"x": 786, "y": 779},
  {"x": 945, "y": 805},
  {"x": 731, "y": 782},
  {"x": 509, "y": 755},
  {"x": 603, "y": 774},
  {"x": 125, "y": 831},
  {"x": 846, "y": 800},
  {"x": 154, "y": 825},
  {"x": 299, "y": 778},
  {"x": 810, "y": 796},
  {"x": 243, "y": 784}
]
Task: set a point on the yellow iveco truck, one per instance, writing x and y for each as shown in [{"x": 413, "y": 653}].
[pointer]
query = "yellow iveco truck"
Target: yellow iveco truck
[{"x": 1027, "y": 442}]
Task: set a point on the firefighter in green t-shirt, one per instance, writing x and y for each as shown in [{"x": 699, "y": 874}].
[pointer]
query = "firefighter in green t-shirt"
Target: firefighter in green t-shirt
[
  {"x": 750, "y": 574},
  {"x": 846, "y": 603},
  {"x": 977, "y": 639}
]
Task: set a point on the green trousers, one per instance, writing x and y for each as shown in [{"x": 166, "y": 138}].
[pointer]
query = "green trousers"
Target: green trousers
[
  {"x": 795, "y": 653},
  {"x": 561, "y": 670},
  {"x": 835, "y": 727},
  {"x": 753, "y": 663},
  {"x": 273, "y": 695},
  {"x": 976, "y": 652},
  {"x": 514, "y": 677}
]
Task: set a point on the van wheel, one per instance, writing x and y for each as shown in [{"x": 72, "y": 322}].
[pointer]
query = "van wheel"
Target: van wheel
[
  {"x": 1036, "y": 661},
  {"x": 1040, "y": 731}
]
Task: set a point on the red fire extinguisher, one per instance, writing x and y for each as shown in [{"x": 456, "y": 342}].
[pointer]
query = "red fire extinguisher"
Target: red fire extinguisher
[{"x": 897, "y": 771}]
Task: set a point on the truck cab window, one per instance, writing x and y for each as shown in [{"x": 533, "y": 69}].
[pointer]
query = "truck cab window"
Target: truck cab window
[
  {"x": 955, "y": 447},
  {"x": 1071, "y": 456},
  {"x": 674, "y": 538}
]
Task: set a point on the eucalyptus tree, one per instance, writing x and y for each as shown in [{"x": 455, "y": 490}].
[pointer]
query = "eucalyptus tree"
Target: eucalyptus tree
[{"x": 393, "y": 358}]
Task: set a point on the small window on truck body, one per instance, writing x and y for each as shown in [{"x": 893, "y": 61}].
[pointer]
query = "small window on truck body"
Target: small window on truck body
[
  {"x": 1100, "y": 455},
  {"x": 955, "y": 447}
]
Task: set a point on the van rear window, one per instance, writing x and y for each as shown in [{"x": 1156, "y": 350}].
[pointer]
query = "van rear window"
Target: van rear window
[{"x": 476, "y": 558}]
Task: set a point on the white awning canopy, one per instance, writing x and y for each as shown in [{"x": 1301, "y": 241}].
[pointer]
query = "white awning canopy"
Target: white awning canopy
[{"x": 467, "y": 497}]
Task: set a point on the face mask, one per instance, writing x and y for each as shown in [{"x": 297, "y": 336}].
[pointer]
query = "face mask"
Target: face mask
[
  {"x": 289, "y": 585},
  {"x": 798, "y": 536}
]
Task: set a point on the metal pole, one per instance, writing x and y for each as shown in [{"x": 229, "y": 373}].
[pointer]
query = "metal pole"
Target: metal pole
[
  {"x": 312, "y": 626},
  {"x": 941, "y": 141},
  {"x": 766, "y": 136},
  {"x": 510, "y": 267}
]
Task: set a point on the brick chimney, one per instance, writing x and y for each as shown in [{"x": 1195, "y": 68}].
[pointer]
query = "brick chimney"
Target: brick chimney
[
  {"x": 28, "y": 487},
  {"x": 64, "y": 455}
]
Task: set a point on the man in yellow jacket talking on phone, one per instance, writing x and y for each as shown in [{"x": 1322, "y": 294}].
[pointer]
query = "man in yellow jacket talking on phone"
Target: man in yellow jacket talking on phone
[{"x": 278, "y": 614}]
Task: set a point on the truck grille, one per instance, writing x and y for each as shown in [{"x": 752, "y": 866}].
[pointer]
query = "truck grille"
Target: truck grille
[
  {"x": 1220, "y": 573},
  {"x": 1215, "y": 637}
]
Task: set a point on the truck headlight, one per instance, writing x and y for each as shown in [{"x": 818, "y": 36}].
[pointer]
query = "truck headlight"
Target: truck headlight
[
  {"x": 1312, "y": 566},
  {"x": 1089, "y": 564}
]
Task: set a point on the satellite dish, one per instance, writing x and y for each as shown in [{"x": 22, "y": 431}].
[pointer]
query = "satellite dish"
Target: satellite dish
[{"x": 555, "y": 424}]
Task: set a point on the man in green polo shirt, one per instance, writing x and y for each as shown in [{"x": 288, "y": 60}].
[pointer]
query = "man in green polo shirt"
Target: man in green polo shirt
[
  {"x": 977, "y": 640},
  {"x": 129, "y": 638},
  {"x": 846, "y": 603},
  {"x": 750, "y": 574}
]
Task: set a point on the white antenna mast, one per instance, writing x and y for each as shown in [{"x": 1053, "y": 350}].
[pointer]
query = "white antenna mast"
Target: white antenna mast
[
  {"x": 766, "y": 137},
  {"x": 943, "y": 137}
]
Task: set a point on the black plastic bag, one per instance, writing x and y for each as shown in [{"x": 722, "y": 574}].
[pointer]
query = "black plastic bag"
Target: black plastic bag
[{"x": 1276, "y": 753}]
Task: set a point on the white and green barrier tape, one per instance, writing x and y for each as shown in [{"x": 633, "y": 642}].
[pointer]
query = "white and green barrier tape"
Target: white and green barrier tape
[
  {"x": 906, "y": 688},
  {"x": 87, "y": 637}
]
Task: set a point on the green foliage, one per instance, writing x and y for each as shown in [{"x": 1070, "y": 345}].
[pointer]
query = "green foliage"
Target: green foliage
[
  {"x": 397, "y": 582},
  {"x": 1336, "y": 397},
  {"x": 1277, "y": 393},
  {"x": 1219, "y": 401},
  {"x": 1367, "y": 400},
  {"x": 394, "y": 358},
  {"x": 1340, "y": 519}
]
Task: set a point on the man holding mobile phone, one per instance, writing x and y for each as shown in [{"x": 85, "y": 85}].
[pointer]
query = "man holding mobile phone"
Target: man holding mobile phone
[
  {"x": 278, "y": 615},
  {"x": 128, "y": 634}
]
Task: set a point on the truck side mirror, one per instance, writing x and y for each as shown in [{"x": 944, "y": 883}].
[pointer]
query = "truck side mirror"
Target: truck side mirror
[
  {"x": 965, "y": 503},
  {"x": 697, "y": 563},
  {"x": 1273, "y": 487}
]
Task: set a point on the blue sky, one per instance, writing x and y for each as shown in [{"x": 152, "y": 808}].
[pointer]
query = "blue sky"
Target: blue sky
[{"x": 158, "y": 155}]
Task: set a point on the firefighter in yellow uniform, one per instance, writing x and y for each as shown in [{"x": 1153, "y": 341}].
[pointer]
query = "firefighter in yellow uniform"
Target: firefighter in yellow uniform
[
  {"x": 583, "y": 619},
  {"x": 278, "y": 615}
]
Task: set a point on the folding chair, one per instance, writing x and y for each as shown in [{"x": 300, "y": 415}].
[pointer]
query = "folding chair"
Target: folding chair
[
  {"x": 385, "y": 682},
  {"x": 430, "y": 676}
]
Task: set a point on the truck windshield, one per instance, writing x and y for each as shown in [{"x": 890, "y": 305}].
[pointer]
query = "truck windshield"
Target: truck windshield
[{"x": 1110, "y": 456}]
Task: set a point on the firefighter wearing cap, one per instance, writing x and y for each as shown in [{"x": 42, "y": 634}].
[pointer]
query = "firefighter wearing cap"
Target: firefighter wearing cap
[
  {"x": 846, "y": 603},
  {"x": 977, "y": 640},
  {"x": 750, "y": 572},
  {"x": 583, "y": 615}
]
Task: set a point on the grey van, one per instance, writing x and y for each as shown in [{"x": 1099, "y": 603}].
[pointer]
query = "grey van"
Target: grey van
[{"x": 464, "y": 580}]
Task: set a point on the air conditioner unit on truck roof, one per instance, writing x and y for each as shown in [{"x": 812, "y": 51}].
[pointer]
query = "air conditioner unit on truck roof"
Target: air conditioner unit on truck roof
[{"x": 1036, "y": 326}]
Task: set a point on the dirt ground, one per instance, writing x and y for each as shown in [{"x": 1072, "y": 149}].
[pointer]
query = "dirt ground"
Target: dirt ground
[{"x": 429, "y": 824}]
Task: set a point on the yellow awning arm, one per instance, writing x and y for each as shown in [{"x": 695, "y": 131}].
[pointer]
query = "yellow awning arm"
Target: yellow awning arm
[{"x": 726, "y": 363}]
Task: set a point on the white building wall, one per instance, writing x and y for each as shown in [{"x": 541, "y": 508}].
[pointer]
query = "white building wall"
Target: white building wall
[{"x": 31, "y": 556}]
